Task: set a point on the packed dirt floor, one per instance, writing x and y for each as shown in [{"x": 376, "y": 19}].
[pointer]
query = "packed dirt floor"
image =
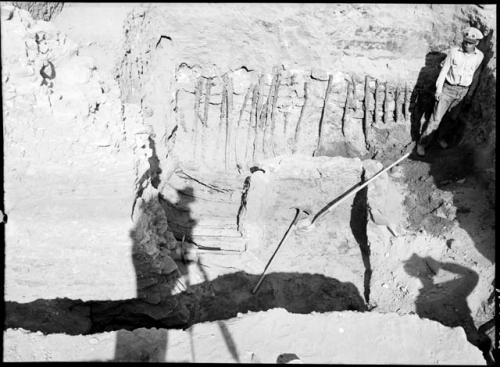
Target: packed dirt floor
[{"x": 149, "y": 180}]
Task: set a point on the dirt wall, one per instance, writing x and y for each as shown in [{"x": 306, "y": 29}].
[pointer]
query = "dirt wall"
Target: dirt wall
[
  {"x": 342, "y": 80},
  {"x": 206, "y": 146},
  {"x": 44, "y": 10}
]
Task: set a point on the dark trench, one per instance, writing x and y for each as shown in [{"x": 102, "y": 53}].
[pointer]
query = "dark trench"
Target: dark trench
[{"x": 220, "y": 299}]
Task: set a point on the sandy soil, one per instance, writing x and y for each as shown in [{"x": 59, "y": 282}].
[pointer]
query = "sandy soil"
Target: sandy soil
[
  {"x": 341, "y": 337},
  {"x": 400, "y": 273}
]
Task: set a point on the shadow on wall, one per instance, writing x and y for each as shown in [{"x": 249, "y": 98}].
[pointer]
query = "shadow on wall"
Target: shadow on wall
[
  {"x": 445, "y": 301},
  {"x": 454, "y": 164},
  {"x": 145, "y": 345},
  {"x": 219, "y": 299},
  {"x": 461, "y": 162},
  {"x": 461, "y": 128},
  {"x": 462, "y": 117},
  {"x": 226, "y": 334},
  {"x": 159, "y": 265},
  {"x": 464, "y": 128},
  {"x": 472, "y": 124},
  {"x": 155, "y": 308},
  {"x": 422, "y": 98},
  {"x": 480, "y": 119}
]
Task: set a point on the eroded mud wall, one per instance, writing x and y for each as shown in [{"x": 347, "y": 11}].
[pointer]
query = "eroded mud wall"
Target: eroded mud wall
[
  {"x": 239, "y": 119},
  {"x": 332, "y": 79},
  {"x": 335, "y": 80}
]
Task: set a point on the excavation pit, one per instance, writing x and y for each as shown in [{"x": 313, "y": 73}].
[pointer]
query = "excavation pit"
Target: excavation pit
[{"x": 150, "y": 183}]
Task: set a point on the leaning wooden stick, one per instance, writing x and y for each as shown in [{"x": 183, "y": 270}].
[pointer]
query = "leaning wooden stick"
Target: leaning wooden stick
[
  {"x": 275, "y": 251},
  {"x": 307, "y": 224}
]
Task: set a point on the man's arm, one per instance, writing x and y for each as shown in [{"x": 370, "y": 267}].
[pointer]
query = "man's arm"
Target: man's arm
[{"x": 442, "y": 74}]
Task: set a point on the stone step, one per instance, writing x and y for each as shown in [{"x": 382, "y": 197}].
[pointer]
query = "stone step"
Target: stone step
[
  {"x": 225, "y": 243},
  {"x": 200, "y": 209},
  {"x": 205, "y": 231},
  {"x": 193, "y": 193},
  {"x": 214, "y": 181},
  {"x": 225, "y": 223},
  {"x": 210, "y": 222},
  {"x": 215, "y": 187}
]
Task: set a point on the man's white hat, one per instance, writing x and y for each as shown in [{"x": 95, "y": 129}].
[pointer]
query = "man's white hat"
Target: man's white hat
[{"x": 472, "y": 34}]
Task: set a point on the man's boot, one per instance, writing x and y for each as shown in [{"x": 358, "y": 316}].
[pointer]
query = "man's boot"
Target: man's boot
[
  {"x": 442, "y": 143},
  {"x": 420, "y": 149}
]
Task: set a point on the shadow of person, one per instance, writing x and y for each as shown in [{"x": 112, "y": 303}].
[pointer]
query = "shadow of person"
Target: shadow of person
[
  {"x": 150, "y": 177},
  {"x": 182, "y": 228},
  {"x": 422, "y": 98},
  {"x": 181, "y": 225},
  {"x": 159, "y": 263},
  {"x": 465, "y": 128},
  {"x": 469, "y": 131},
  {"x": 226, "y": 334},
  {"x": 142, "y": 322},
  {"x": 141, "y": 345},
  {"x": 219, "y": 299},
  {"x": 443, "y": 296}
]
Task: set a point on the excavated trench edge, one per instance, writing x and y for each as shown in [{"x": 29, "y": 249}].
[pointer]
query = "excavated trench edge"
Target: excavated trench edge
[
  {"x": 220, "y": 299},
  {"x": 188, "y": 308}
]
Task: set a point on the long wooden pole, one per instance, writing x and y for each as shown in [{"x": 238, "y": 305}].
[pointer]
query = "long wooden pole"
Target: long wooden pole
[
  {"x": 275, "y": 251},
  {"x": 327, "y": 209}
]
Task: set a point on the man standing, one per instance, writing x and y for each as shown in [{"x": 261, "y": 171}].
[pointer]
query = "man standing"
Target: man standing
[{"x": 456, "y": 81}]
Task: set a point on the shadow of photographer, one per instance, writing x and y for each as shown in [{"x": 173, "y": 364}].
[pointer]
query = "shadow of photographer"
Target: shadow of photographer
[
  {"x": 445, "y": 300},
  {"x": 159, "y": 264}
]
